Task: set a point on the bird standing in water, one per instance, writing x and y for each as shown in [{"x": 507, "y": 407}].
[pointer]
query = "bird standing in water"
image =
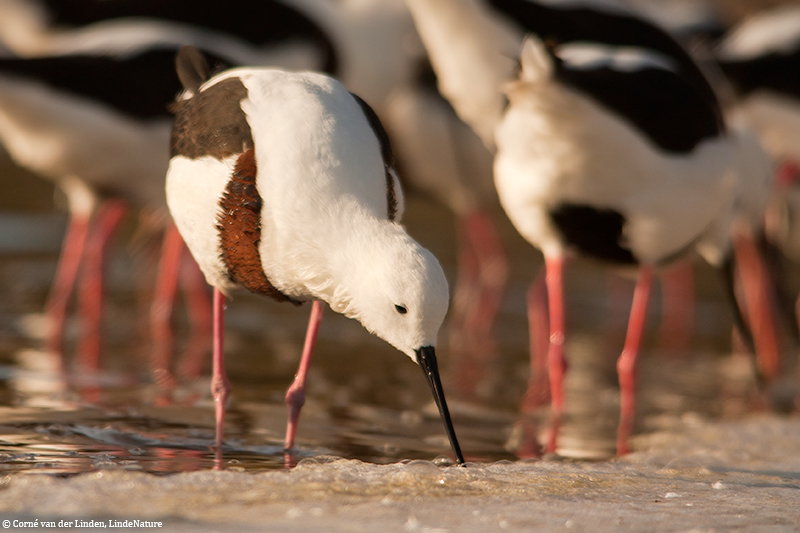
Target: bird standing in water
[
  {"x": 609, "y": 144},
  {"x": 83, "y": 103},
  {"x": 284, "y": 184}
]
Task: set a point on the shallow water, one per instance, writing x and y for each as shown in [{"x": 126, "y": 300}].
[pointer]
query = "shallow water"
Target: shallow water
[
  {"x": 366, "y": 400},
  {"x": 698, "y": 476},
  {"x": 372, "y": 454}
]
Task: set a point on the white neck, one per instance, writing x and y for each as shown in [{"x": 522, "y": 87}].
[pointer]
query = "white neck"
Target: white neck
[
  {"x": 356, "y": 259},
  {"x": 474, "y": 52}
]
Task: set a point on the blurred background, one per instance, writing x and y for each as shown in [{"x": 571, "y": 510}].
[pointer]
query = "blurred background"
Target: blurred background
[{"x": 366, "y": 400}]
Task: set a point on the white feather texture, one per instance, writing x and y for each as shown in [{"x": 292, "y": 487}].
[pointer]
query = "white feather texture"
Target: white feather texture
[
  {"x": 556, "y": 146},
  {"x": 440, "y": 155},
  {"x": 776, "y": 118},
  {"x": 194, "y": 188},
  {"x": 325, "y": 230},
  {"x": 24, "y": 29},
  {"x": 377, "y": 45},
  {"x": 774, "y": 115},
  {"x": 473, "y": 52},
  {"x": 774, "y": 31},
  {"x": 62, "y": 136},
  {"x": 620, "y": 58},
  {"x": 755, "y": 171}
]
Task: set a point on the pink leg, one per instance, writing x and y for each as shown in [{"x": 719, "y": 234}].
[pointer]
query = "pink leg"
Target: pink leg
[
  {"x": 296, "y": 394},
  {"x": 557, "y": 363},
  {"x": 482, "y": 274},
  {"x": 466, "y": 278},
  {"x": 787, "y": 173},
  {"x": 66, "y": 274},
  {"x": 538, "y": 391},
  {"x": 162, "y": 308},
  {"x": 538, "y": 327},
  {"x": 626, "y": 364},
  {"x": 757, "y": 292},
  {"x": 677, "y": 295},
  {"x": 109, "y": 217},
  {"x": 555, "y": 356},
  {"x": 198, "y": 304},
  {"x": 492, "y": 270},
  {"x": 220, "y": 386},
  {"x": 465, "y": 294}
]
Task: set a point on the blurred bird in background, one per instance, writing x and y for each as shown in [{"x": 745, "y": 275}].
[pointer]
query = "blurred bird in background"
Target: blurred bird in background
[
  {"x": 612, "y": 144},
  {"x": 86, "y": 106},
  {"x": 609, "y": 142}
]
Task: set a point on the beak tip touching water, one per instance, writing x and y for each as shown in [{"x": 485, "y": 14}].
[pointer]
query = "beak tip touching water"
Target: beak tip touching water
[{"x": 426, "y": 358}]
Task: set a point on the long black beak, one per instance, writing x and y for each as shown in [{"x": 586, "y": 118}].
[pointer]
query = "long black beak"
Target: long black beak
[{"x": 426, "y": 357}]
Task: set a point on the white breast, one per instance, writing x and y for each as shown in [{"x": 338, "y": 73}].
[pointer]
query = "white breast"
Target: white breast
[
  {"x": 557, "y": 146},
  {"x": 308, "y": 178},
  {"x": 194, "y": 187}
]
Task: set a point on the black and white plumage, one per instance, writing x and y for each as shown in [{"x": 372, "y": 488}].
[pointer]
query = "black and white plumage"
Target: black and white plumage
[
  {"x": 92, "y": 117},
  {"x": 88, "y": 109},
  {"x": 98, "y": 127},
  {"x": 116, "y": 70},
  {"x": 372, "y": 47},
  {"x": 283, "y": 183},
  {"x": 443, "y": 159},
  {"x": 64, "y": 119},
  {"x": 248, "y": 28},
  {"x": 609, "y": 22},
  {"x": 501, "y": 26},
  {"x": 611, "y": 143},
  {"x": 575, "y": 176},
  {"x": 690, "y": 21},
  {"x": 589, "y": 199},
  {"x": 761, "y": 59},
  {"x": 382, "y": 60}
]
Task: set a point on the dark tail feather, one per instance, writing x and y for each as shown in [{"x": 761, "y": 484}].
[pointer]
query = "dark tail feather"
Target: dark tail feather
[{"x": 192, "y": 68}]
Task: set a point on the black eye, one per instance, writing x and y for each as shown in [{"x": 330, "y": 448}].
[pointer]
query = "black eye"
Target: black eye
[{"x": 400, "y": 309}]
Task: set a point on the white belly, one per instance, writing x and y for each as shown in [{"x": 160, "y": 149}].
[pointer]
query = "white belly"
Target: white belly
[{"x": 194, "y": 188}]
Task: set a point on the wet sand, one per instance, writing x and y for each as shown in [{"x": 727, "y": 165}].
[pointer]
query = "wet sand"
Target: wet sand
[
  {"x": 706, "y": 456},
  {"x": 700, "y": 476},
  {"x": 703, "y": 459}
]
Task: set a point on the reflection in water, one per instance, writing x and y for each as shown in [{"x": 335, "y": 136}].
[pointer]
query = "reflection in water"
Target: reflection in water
[
  {"x": 64, "y": 459},
  {"x": 366, "y": 401}
]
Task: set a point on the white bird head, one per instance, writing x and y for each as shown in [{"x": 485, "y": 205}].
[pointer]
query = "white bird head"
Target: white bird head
[{"x": 398, "y": 291}]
